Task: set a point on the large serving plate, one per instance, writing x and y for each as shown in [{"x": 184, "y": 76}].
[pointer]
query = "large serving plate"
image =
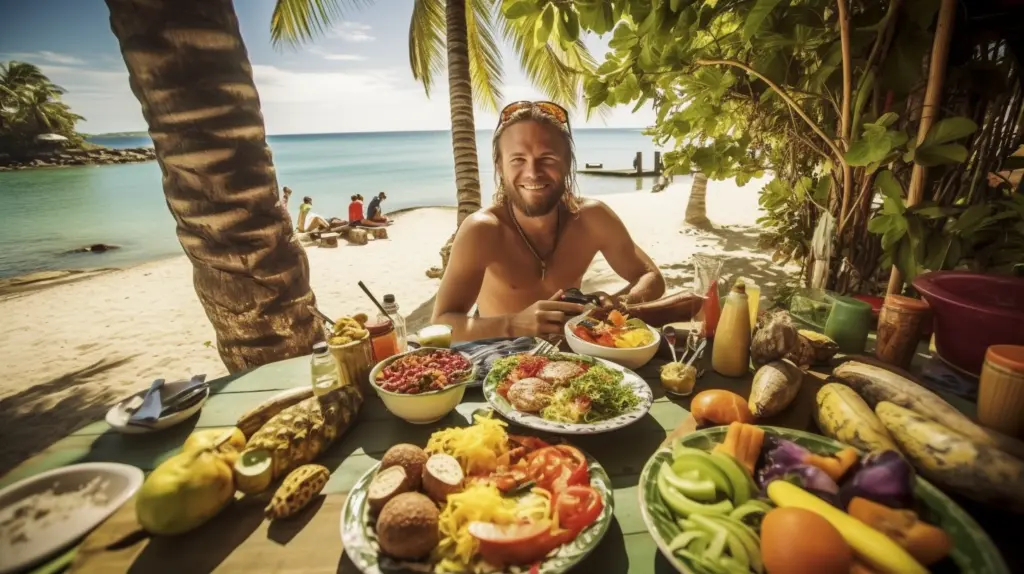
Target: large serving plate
[
  {"x": 360, "y": 540},
  {"x": 973, "y": 551},
  {"x": 640, "y": 388}
]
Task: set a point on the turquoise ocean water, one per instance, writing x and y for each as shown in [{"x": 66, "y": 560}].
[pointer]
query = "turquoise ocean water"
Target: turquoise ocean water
[{"x": 45, "y": 212}]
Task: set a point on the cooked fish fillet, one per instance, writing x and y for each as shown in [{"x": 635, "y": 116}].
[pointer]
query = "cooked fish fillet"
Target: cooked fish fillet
[
  {"x": 530, "y": 395},
  {"x": 559, "y": 372}
]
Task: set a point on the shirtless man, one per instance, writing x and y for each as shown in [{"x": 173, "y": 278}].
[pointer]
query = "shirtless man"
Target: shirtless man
[{"x": 514, "y": 258}]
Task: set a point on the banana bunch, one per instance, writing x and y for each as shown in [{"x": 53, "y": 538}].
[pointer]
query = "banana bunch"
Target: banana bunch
[
  {"x": 348, "y": 329},
  {"x": 710, "y": 494}
]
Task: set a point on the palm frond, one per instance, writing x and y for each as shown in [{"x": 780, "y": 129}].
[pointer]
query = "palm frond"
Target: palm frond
[
  {"x": 558, "y": 72},
  {"x": 485, "y": 66},
  {"x": 296, "y": 21},
  {"x": 427, "y": 42}
]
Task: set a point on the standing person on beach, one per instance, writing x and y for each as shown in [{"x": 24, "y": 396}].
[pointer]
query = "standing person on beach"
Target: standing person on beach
[
  {"x": 373, "y": 212},
  {"x": 513, "y": 259}
]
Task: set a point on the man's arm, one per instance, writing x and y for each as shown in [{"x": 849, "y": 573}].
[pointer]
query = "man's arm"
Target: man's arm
[
  {"x": 461, "y": 283},
  {"x": 625, "y": 257}
]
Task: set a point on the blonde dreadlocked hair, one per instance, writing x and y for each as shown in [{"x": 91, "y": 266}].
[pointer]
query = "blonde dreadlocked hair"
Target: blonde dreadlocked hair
[{"x": 570, "y": 197}]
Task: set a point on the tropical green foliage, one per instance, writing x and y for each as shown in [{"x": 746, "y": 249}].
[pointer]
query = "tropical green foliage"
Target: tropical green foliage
[
  {"x": 554, "y": 62},
  {"x": 825, "y": 95},
  {"x": 30, "y": 105}
]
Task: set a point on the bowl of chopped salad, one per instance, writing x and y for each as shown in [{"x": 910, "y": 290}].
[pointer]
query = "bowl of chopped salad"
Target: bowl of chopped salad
[
  {"x": 613, "y": 336},
  {"x": 423, "y": 385}
]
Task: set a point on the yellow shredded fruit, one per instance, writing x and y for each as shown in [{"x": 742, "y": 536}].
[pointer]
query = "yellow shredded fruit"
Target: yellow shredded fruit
[
  {"x": 456, "y": 552},
  {"x": 476, "y": 447}
]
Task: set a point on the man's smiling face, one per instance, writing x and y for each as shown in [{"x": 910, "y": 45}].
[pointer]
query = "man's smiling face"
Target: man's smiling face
[{"x": 534, "y": 165}]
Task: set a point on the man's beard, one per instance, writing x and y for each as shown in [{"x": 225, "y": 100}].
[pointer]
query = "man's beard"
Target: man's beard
[{"x": 542, "y": 206}]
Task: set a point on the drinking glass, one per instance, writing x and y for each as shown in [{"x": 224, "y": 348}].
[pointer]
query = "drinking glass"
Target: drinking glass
[{"x": 707, "y": 270}]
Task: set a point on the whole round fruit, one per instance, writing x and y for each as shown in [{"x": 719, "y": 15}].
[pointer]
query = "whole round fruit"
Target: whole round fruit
[
  {"x": 183, "y": 492},
  {"x": 798, "y": 541}
]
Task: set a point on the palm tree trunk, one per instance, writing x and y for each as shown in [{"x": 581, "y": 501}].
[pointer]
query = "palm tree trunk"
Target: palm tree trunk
[
  {"x": 696, "y": 208},
  {"x": 189, "y": 69},
  {"x": 460, "y": 101}
]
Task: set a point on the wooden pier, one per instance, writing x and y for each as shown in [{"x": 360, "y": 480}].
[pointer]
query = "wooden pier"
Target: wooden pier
[{"x": 637, "y": 170}]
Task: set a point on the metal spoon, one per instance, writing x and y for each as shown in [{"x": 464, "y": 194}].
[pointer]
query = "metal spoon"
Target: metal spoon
[
  {"x": 670, "y": 337},
  {"x": 317, "y": 313}
]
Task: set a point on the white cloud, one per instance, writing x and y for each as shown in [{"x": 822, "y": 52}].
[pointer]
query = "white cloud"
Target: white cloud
[
  {"x": 336, "y": 57},
  {"x": 47, "y": 57},
  {"x": 352, "y": 32}
]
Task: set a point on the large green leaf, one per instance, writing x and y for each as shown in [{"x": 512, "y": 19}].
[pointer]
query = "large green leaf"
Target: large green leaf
[
  {"x": 970, "y": 219},
  {"x": 933, "y": 155},
  {"x": 886, "y": 183},
  {"x": 485, "y": 65},
  {"x": 756, "y": 17},
  {"x": 296, "y": 21},
  {"x": 949, "y": 129},
  {"x": 881, "y": 224},
  {"x": 514, "y": 9},
  {"x": 905, "y": 260},
  {"x": 544, "y": 25},
  {"x": 427, "y": 42}
]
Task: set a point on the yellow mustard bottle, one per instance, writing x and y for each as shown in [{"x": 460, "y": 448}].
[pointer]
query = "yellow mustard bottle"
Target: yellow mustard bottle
[{"x": 730, "y": 355}]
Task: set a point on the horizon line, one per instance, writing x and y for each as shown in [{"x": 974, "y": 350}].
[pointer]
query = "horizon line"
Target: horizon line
[{"x": 146, "y": 132}]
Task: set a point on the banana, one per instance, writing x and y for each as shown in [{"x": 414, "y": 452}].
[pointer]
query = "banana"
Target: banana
[
  {"x": 869, "y": 544},
  {"x": 682, "y": 505},
  {"x": 742, "y": 484},
  {"x": 843, "y": 415},
  {"x": 976, "y": 470},
  {"x": 685, "y": 459}
]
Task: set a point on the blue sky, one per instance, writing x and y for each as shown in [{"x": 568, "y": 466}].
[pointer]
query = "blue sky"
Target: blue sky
[{"x": 356, "y": 78}]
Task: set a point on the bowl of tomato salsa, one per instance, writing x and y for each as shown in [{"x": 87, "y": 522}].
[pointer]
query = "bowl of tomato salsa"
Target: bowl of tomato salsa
[{"x": 423, "y": 385}]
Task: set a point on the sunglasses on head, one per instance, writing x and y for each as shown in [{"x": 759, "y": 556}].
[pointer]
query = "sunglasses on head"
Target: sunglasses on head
[{"x": 550, "y": 108}]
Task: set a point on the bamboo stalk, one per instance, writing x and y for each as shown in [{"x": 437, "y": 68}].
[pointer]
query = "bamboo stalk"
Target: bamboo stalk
[
  {"x": 930, "y": 109},
  {"x": 844, "y": 129}
]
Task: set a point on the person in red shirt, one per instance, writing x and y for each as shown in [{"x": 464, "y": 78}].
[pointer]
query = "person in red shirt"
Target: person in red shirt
[{"x": 355, "y": 210}]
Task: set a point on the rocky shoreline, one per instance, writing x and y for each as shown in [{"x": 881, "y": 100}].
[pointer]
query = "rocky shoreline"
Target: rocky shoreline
[{"x": 62, "y": 158}]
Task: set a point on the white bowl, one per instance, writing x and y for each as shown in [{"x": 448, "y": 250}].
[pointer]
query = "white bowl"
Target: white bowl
[
  {"x": 633, "y": 358},
  {"x": 118, "y": 483},
  {"x": 423, "y": 408}
]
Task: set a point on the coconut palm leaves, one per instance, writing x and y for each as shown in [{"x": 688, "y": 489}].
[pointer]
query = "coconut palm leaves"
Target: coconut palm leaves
[{"x": 30, "y": 103}]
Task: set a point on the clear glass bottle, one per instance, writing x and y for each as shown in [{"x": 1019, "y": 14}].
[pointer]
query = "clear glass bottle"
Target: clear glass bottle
[
  {"x": 396, "y": 319},
  {"x": 323, "y": 370}
]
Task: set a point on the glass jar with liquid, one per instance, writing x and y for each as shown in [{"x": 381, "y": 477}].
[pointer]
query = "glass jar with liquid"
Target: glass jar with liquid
[{"x": 323, "y": 370}]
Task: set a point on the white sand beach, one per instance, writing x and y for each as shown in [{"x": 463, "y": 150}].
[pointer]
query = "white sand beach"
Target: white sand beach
[{"x": 72, "y": 350}]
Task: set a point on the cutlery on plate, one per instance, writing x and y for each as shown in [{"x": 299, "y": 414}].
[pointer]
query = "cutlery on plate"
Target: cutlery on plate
[{"x": 149, "y": 412}]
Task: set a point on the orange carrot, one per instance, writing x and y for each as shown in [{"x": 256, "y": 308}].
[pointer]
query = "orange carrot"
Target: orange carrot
[
  {"x": 835, "y": 466},
  {"x": 926, "y": 543}
]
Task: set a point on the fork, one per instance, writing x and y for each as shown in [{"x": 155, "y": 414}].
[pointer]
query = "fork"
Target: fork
[{"x": 544, "y": 349}]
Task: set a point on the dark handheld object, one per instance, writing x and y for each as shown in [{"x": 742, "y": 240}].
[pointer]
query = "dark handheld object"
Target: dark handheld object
[{"x": 574, "y": 295}]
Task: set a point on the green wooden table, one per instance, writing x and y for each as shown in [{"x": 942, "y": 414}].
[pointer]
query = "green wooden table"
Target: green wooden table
[{"x": 239, "y": 539}]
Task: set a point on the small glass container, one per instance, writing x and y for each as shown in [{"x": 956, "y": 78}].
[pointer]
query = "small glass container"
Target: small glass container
[
  {"x": 383, "y": 338},
  {"x": 900, "y": 325},
  {"x": 678, "y": 378},
  {"x": 323, "y": 370},
  {"x": 848, "y": 324}
]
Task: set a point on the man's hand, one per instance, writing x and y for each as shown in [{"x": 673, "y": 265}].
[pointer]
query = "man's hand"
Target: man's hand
[
  {"x": 544, "y": 317},
  {"x": 611, "y": 302}
]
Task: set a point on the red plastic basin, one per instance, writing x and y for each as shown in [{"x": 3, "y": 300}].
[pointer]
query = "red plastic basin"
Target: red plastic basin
[{"x": 971, "y": 312}]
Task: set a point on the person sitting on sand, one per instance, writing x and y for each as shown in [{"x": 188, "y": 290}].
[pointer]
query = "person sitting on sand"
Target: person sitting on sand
[
  {"x": 355, "y": 210},
  {"x": 309, "y": 221},
  {"x": 373, "y": 212},
  {"x": 513, "y": 259}
]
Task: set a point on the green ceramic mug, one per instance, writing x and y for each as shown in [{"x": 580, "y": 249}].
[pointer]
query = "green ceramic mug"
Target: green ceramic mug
[{"x": 848, "y": 323}]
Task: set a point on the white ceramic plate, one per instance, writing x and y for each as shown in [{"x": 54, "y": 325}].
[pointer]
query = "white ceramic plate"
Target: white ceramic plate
[
  {"x": 117, "y": 416},
  {"x": 59, "y": 529},
  {"x": 640, "y": 388}
]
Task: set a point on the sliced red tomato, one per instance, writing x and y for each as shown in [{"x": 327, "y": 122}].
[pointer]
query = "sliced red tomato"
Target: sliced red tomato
[
  {"x": 582, "y": 332},
  {"x": 580, "y": 472},
  {"x": 530, "y": 443},
  {"x": 605, "y": 340},
  {"x": 513, "y": 543},
  {"x": 577, "y": 507},
  {"x": 502, "y": 388}
]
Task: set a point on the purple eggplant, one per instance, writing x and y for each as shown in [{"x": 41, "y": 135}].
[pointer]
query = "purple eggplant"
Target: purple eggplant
[{"x": 884, "y": 477}]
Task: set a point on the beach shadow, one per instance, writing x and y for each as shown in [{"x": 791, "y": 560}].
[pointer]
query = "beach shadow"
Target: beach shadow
[
  {"x": 34, "y": 418},
  {"x": 204, "y": 548},
  {"x": 282, "y": 531}
]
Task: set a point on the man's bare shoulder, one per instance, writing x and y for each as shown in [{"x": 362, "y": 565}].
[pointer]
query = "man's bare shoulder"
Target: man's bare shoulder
[
  {"x": 596, "y": 212},
  {"x": 482, "y": 226}
]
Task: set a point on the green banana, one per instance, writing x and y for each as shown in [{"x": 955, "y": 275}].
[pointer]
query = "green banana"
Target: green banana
[
  {"x": 684, "y": 506},
  {"x": 742, "y": 484}
]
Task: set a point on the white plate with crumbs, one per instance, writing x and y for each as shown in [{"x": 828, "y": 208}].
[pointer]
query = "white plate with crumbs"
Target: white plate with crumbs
[{"x": 43, "y": 514}]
